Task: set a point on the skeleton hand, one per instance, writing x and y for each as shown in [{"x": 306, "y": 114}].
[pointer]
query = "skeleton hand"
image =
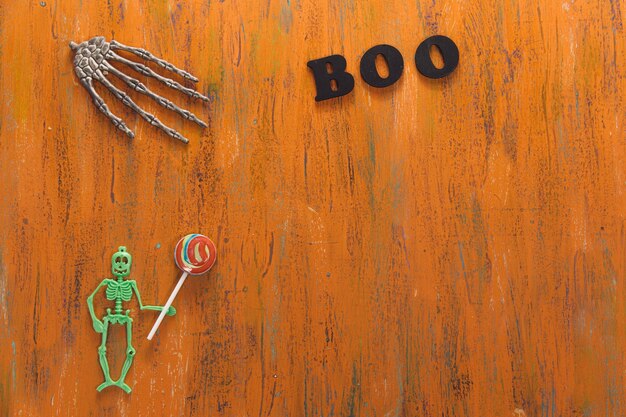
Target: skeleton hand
[
  {"x": 171, "y": 311},
  {"x": 92, "y": 62},
  {"x": 98, "y": 326}
]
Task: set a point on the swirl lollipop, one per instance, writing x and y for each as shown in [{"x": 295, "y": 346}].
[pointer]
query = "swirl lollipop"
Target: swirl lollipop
[{"x": 194, "y": 254}]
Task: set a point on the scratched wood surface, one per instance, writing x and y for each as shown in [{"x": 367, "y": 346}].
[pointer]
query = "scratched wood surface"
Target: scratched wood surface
[{"x": 451, "y": 247}]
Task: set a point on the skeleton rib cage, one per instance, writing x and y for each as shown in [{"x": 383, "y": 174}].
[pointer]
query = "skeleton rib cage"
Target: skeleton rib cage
[
  {"x": 92, "y": 62},
  {"x": 119, "y": 290}
]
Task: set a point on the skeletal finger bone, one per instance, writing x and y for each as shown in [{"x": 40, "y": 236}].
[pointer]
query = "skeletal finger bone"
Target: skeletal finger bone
[
  {"x": 101, "y": 105},
  {"x": 92, "y": 61},
  {"x": 147, "y": 71},
  {"x": 149, "y": 57},
  {"x": 150, "y": 118},
  {"x": 140, "y": 87}
]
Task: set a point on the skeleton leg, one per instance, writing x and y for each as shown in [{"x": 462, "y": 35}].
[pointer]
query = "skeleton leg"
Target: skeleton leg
[
  {"x": 150, "y": 118},
  {"x": 102, "y": 354},
  {"x": 147, "y": 71},
  {"x": 148, "y": 56},
  {"x": 101, "y": 105},
  {"x": 130, "y": 354},
  {"x": 138, "y": 86}
]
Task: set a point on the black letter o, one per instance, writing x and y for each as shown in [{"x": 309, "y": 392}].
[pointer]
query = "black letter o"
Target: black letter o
[
  {"x": 449, "y": 53},
  {"x": 395, "y": 63}
]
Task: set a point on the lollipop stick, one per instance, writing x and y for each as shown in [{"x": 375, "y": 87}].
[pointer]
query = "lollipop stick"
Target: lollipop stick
[{"x": 167, "y": 305}]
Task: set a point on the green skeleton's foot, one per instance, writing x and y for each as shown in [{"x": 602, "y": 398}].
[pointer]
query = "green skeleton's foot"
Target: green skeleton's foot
[
  {"x": 119, "y": 384},
  {"x": 104, "y": 385},
  {"x": 125, "y": 387}
]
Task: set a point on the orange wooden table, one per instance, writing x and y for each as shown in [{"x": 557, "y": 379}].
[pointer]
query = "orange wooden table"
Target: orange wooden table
[{"x": 451, "y": 247}]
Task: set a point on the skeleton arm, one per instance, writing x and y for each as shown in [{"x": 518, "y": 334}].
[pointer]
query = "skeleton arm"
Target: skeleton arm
[
  {"x": 97, "y": 324},
  {"x": 170, "y": 312}
]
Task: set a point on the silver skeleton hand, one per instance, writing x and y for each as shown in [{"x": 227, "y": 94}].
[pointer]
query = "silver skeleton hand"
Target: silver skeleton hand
[{"x": 92, "y": 62}]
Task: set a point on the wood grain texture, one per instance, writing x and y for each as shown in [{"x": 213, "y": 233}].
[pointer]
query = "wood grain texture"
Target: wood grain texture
[{"x": 451, "y": 247}]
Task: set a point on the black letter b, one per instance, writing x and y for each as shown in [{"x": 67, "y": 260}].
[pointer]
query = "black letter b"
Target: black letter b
[{"x": 329, "y": 69}]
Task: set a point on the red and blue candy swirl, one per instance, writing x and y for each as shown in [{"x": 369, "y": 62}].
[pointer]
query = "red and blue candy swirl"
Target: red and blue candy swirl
[{"x": 195, "y": 254}]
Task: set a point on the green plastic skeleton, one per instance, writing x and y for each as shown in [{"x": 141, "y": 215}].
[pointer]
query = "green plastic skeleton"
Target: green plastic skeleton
[{"x": 120, "y": 290}]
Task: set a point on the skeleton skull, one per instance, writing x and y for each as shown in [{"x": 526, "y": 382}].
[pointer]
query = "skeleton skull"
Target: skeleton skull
[
  {"x": 92, "y": 62},
  {"x": 121, "y": 262}
]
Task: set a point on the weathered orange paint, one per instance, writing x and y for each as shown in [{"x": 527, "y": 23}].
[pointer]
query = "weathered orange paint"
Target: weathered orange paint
[{"x": 451, "y": 247}]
